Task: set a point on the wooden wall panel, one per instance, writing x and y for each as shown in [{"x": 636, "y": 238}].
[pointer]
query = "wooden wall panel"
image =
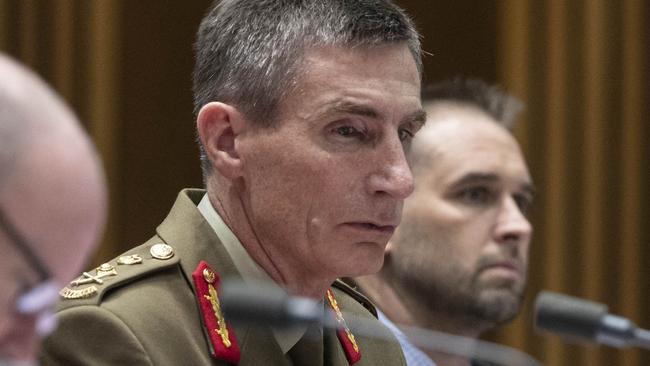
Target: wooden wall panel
[
  {"x": 630, "y": 291},
  {"x": 589, "y": 150}
]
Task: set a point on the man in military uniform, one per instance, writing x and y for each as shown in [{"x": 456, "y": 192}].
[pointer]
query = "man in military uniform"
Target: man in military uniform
[
  {"x": 52, "y": 207},
  {"x": 305, "y": 110},
  {"x": 458, "y": 262}
]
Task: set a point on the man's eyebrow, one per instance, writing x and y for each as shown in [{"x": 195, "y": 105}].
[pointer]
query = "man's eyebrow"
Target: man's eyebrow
[
  {"x": 346, "y": 107},
  {"x": 473, "y": 177},
  {"x": 417, "y": 118}
]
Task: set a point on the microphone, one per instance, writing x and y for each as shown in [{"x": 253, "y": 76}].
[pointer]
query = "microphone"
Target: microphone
[
  {"x": 262, "y": 305},
  {"x": 577, "y": 319},
  {"x": 257, "y": 303}
]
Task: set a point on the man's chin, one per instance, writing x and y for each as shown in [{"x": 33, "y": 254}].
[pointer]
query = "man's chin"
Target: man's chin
[
  {"x": 364, "y": 269},
  {"x": 367, "y": 259},
  {"x": 502, "y": 293},
  {"x": 500, "y": 304}
]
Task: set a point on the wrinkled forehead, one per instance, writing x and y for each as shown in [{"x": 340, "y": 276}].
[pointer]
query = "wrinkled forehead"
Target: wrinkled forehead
[
  {"x": 331, "y": 66},
  {"x": 330, "y": 73}
]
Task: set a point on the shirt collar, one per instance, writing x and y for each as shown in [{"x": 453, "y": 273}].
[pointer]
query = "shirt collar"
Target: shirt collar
[{"x": 413, "y": 355}]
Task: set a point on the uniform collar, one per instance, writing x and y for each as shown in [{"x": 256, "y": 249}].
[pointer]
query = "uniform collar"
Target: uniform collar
[{"x": 247, "y": 267}]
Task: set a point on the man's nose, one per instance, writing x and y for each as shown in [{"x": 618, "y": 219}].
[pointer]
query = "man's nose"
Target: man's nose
[
  {"x": 393, "y": 175},
  {"x": 512, "y": 224}
]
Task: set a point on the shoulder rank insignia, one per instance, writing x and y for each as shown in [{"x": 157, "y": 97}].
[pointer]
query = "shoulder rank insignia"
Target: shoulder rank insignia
[
  {"x": 105, "y": 270},
  {"x": 129, "y": 259},
  {"x": 161, "y": 251},
  {"x": 222, "y": 337},
  {"x": 343, "y": 332}
]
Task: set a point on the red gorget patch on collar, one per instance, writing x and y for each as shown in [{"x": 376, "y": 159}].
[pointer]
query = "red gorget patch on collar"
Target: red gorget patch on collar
[
  {"x": 349, "y": 343},
  {"x": 222, "y": 337}
]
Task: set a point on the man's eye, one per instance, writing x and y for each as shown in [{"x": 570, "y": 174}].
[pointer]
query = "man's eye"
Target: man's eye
[
  {"x": 348, "y": 131},
  {"x": 404, "y": 134},
  {"x": 524, "y": 203},
  {"x": 475, "y": 195}
]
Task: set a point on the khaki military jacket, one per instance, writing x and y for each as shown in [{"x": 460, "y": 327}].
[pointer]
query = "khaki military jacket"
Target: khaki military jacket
[{"x": 148, "y": 313}]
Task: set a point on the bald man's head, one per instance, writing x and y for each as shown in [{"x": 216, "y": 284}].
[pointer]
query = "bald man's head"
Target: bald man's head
[
  {"x": 52, "y": 197},
  {"x": 30, "y": 110}
]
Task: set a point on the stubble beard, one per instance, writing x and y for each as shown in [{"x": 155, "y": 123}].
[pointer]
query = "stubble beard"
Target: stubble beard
[
  {"x": 442, "y": 289},
  {"x": 487, "y": 305},
  {"x": 470, "y": 303}
]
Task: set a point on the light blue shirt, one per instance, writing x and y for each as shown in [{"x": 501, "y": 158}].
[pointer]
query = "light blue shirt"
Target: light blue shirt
[{"x": 413, "y": 355}]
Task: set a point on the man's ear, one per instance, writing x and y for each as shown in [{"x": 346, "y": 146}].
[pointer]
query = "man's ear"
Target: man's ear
[{"x": 218, "y": 126}]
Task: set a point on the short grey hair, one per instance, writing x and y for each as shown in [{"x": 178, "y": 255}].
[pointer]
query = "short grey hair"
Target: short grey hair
[
  {"x": 249, "y": 52},
  {"x": 491, "y": 99}
]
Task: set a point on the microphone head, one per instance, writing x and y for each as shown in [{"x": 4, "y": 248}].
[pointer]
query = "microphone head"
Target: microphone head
[
  {"x": 568, "y": 316},
  {"x": 265, "y": 303}
]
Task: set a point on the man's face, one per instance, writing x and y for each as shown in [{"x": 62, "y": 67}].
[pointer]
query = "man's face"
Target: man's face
[
  {"x": 462, "y": 250},
  {"x": 324, "y": 189},
  {"x": 59, "y": 218}
]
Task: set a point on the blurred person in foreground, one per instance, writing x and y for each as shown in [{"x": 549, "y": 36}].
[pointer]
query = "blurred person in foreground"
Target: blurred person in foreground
[
  {"x": 304, "y": 111},
  {"x": 52, "y": 207},
  {"x": 457, "y": 263}
]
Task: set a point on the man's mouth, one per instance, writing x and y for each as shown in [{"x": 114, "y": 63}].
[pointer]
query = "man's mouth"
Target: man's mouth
[
  {"x": 373, "y": 227},
  {"x": 506, "y": 267}
]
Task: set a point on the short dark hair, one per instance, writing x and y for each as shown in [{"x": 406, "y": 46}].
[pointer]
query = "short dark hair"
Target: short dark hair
[
  {"x": 501, "y": 106},
  {"x": 248, "y": 52}
]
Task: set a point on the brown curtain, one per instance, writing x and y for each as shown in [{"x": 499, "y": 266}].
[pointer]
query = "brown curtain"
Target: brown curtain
[
  {"x": 125, "y": 68},
  {"x": 581, "y": 66},
  {"x": 73, "y": 46}
]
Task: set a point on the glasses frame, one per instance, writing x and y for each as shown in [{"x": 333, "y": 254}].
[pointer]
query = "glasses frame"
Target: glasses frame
[
  {"x": 39, "y": 299},
  {"x": 21, "y": 244}
]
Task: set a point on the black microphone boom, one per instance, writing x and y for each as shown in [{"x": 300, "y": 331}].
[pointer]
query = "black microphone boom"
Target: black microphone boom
[{"x": 582, "y": 320}]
